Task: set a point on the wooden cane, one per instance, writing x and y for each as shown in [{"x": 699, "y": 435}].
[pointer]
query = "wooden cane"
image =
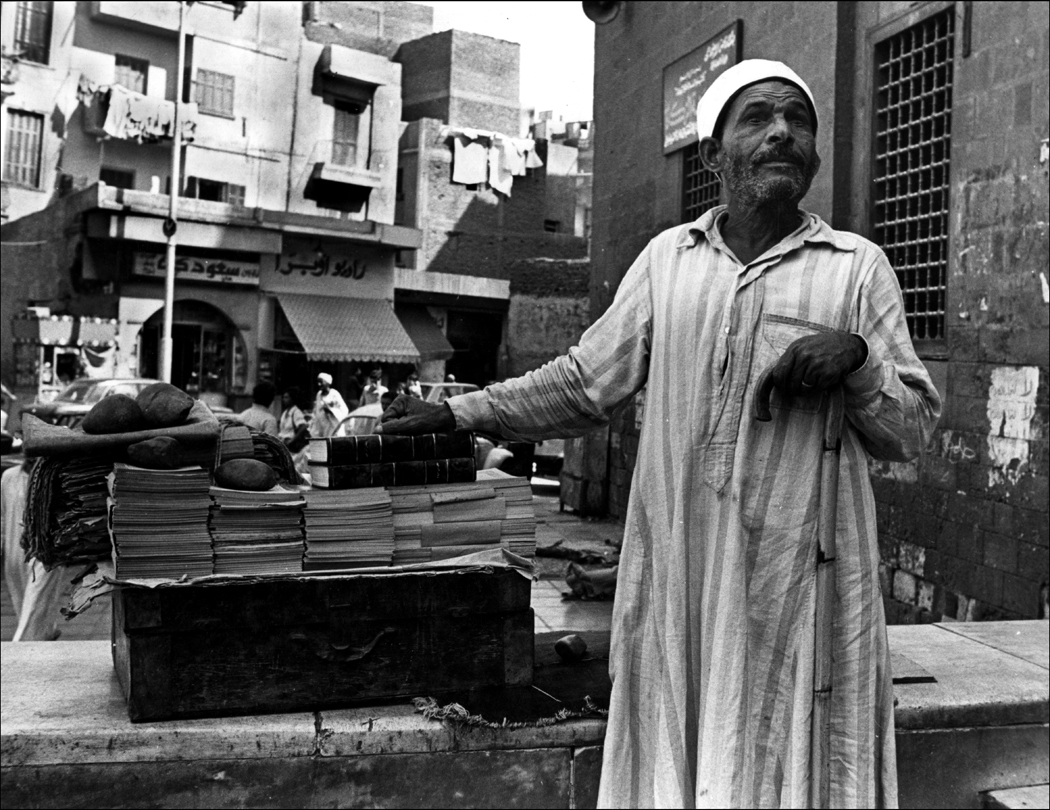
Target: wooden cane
[{"x": 820, "y": 740}]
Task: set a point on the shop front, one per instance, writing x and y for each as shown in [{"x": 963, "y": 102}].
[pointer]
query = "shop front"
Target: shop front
[
  {"x": 53, "y": 350},
  {"x": 328, "y": 307}
]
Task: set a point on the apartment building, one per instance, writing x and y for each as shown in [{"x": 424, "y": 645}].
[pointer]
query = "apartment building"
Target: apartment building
[{"x": 286, "y": 231}]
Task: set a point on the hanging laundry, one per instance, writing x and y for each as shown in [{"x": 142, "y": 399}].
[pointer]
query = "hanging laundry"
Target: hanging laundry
[
  {"x": 500, "y": 177},
  {"x": 470, "y": 161}
]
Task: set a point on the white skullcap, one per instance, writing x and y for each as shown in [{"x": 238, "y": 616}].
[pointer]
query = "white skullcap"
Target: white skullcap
[
  {"x": 325, "y": 378},
  {"x": 735, "y": 79}
]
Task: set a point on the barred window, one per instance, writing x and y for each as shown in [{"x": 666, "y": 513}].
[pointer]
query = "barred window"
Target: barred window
[
  {"x": 700, "y": 186},
  {"x": 215, "y": 191},
  {"x": 33, "y": 31},
  {"x": 913, "y": 109},
  {"x": 118, "y": 178},
  {"x": 344, "y": 137},
  {"x": 131, "y": 73},
  {"x": 24, "y": 136},
  {"x": 215, "y": 93}
]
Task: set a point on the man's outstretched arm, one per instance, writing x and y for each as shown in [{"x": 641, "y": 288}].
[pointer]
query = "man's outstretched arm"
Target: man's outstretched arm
[{"x": 566, "y": 397}]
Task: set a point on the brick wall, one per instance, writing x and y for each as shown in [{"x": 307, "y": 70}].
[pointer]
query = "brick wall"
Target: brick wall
[
  {"x": 549, "y": 310},
  {"x": 963, "y": 530},
  {"x": 467, "y": 232}
]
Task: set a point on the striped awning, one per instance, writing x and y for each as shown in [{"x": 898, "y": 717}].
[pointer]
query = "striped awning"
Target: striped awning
[
  {"x": 348, "y": 329},
  {"x": 429, "y": 339}
]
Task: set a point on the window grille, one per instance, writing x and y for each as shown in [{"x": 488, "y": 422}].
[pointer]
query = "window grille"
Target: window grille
[
  {"x": 22, "y": 162},
  {"x": 118, "y": 178},
  {"x": 700, "y": 186},
  {"x": 131, "y": 73},
  {"x": 215, "y": 93},
  {"x": 344, "y": 137},
  {"x": 33, "y": 31},
  {"x": 913, "y": 109}
]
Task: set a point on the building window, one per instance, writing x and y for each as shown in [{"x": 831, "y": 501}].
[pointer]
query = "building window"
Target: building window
[
  {"x": 700, "y": 186},
  {"x": 22, "y": 161},
  {"x": 215, "y": 93},
  {"x": 913, "y": 118},
  {"x": 33, "y": 31},
  {"x": 215, "y": 191},
  {"x": 118, "y": 178},
  {"x": 131, "y": 73},
  {"x": 344, "y": 137},
  {"x": 551, "y": 225}
]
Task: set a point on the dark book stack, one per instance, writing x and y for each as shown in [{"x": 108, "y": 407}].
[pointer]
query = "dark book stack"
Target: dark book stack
[
  {"x": 353, "y": 462},
  {"x": 257, "y": 532},
  {"x": 347, "y": 529},
  {"x": 158, "y": 520},
  {"x": 449, "y": 520}
]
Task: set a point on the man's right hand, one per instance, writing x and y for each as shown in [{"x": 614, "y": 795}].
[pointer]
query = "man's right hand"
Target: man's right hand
[{"x": 407, "y": 414}]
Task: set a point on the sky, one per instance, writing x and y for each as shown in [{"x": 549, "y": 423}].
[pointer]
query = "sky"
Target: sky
[{"x": 557, "y": 48}]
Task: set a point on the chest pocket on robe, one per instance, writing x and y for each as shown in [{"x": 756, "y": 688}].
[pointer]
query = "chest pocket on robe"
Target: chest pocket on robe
[{"x": 779, "y": 332}]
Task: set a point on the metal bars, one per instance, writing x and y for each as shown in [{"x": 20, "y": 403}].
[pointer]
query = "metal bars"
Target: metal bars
[
  {"x": 913, "y": 117},
  {"x": 700, "y": 187},
  {"x": 24, "y": 134},
  {"x": 33, "y": 31}
]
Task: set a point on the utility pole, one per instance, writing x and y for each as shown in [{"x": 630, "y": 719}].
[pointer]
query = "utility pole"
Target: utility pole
[{"x": 171, "y": 223}]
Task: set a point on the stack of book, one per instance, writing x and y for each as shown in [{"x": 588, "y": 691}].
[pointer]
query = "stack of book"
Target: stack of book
[
  {"x": 158, "y": 520},
  {"x": 236, "y": 442},
  {"x": 351, "y": 462},
  {"x": 344, "y": 529},
  {"x": 449, "y": 520},
  {"x": 257, "y": 532}
]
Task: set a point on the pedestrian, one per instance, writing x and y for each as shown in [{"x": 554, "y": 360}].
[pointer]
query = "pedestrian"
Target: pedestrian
[
  {"x": 35, "y": 591},
  {"x": 329, "y": 408},
  {"x": 293, "y": 430},
  {"x": 258, "y": 416},
  {"x": 375, "y": 389},
  {"x": 713, "y": 623},
  {"x": 414, "y": 387}
]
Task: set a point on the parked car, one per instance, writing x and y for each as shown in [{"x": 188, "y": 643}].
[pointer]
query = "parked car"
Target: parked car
[
  {"x": 439, "y": 392},
  {"x": 77, "y": 398}
]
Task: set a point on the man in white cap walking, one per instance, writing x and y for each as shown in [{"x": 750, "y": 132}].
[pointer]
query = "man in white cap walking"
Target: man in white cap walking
[
  {"x": 713, "y": 625},
  {"x": 329, "y": 408}
]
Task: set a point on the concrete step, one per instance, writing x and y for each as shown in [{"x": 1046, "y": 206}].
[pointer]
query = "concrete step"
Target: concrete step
[{"x": 1030, "y": 797}]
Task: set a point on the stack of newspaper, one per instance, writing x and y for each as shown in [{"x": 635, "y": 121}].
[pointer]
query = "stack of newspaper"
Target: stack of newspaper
[
  {"x": 158, "y": 520},
  {"x": 348, "y": 528},
  {"x": 257, "y": 532}
]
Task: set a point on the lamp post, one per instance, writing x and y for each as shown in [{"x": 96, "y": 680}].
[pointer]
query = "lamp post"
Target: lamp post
[{"x": 171, "y": 223}]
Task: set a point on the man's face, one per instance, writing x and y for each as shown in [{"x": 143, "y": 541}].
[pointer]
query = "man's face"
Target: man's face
[
  {"x": 323, "y": 385},
  {"x": 769, "y": 144}
]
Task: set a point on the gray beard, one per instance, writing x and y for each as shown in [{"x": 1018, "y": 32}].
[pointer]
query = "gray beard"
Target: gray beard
[{"x": 751, "y": 186}]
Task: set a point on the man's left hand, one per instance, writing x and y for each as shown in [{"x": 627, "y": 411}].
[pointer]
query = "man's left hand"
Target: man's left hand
[{"x": 819, "y": 362}]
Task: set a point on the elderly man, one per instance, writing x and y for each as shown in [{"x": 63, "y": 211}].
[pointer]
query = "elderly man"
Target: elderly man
[
  {"x": 329, "y": 408},
  {"x": 713, "y": 626}
]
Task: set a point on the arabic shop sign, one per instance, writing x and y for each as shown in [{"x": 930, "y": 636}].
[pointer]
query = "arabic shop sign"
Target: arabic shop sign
[
  {"x": 322, "y": 264},
  {"x": 686, "y": 79},
  {"x": 330, "y": 267},
  {"x": 197, "y": 268}
]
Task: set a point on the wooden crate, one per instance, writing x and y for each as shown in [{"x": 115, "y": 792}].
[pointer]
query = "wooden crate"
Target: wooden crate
[{"x": 320, "y": 642}]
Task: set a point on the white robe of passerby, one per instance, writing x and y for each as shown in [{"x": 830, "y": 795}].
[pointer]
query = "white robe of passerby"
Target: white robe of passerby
[{"x": 34, "y": 590}]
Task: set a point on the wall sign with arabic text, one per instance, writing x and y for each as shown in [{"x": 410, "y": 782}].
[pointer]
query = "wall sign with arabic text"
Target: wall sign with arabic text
[
  {"x": 196, "y": 268},
  {"x": 686, "y": 79},
  {"x": 313, "y": 266}
]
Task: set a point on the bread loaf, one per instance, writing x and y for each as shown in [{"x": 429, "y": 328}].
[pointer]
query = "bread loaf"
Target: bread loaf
[
  {"x": 164, "y": 405},
  {"x": 247, "y": 474},
  {"x": 117, "y": 413},
  {"x": 161, "y": 453}
]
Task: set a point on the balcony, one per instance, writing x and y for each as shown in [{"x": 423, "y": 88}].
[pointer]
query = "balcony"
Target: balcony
[
  {"x": 114, "y": 111},
  {"x": 337, "y": 180}
]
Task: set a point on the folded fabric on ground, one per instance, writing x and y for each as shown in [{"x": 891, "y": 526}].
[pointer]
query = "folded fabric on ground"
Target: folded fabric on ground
[{"x": 158, "y": 520}]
